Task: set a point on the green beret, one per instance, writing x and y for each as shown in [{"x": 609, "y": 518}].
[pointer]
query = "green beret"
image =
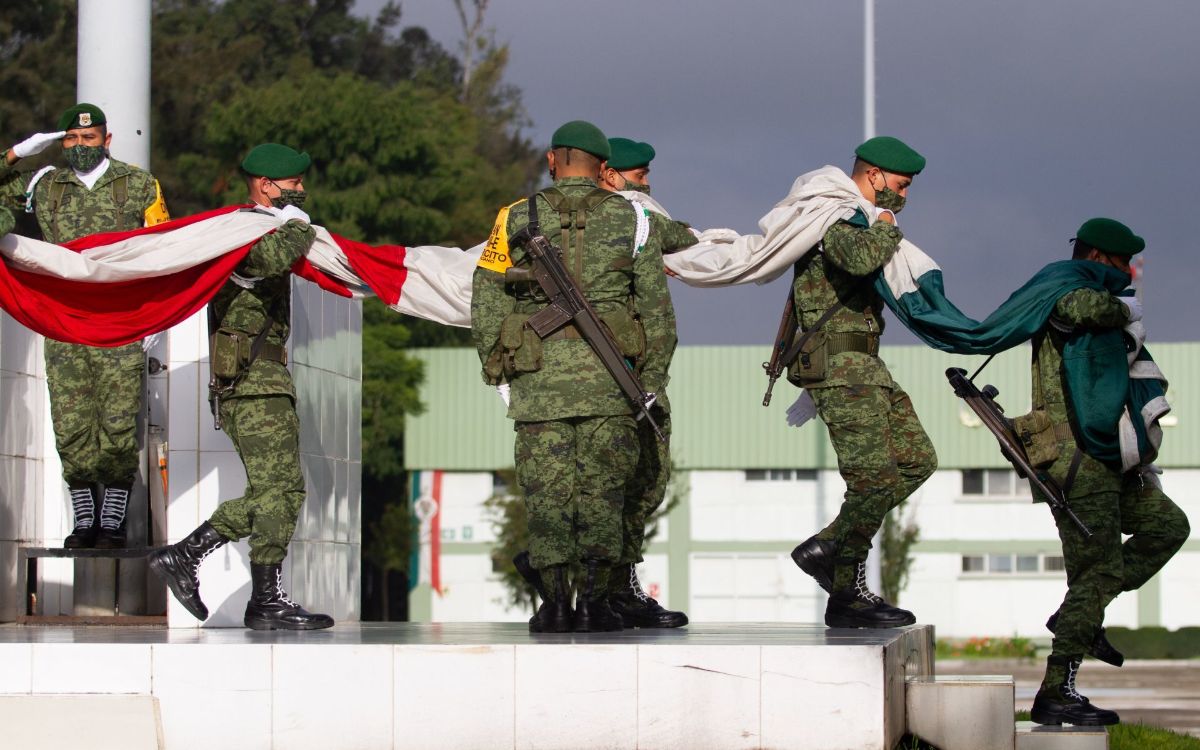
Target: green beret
[
  {"x": 891, "y": 155},
  {"x": 82, "y": 115},
  {"x": 1111, "y": 236},
  {"x": 629, "y": 154},
  {"x": 583, "y": 136},
  {"x": 275, "y": 161}
]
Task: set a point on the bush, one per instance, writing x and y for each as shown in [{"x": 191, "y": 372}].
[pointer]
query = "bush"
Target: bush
[{"x": 1156, "y": 642}]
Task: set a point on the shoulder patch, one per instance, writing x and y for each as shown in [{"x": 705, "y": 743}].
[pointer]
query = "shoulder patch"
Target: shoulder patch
[{"x": 495, "y": 256}]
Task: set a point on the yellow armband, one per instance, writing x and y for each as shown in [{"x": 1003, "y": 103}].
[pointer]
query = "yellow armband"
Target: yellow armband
[
  {"x": 495, "y": 255},
  {"x": 157, "y": 212}
]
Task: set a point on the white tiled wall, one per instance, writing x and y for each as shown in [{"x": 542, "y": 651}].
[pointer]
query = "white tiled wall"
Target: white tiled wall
[
  {"x": 24, "y": 407},
  {"x": 322, "y": 568}
]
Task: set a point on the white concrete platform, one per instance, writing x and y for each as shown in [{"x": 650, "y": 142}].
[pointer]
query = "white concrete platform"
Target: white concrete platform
[
  {"x": 95, "y": 722},
  {"x": 1032, "y": 736},
  {"x": 962, "y": 712},
  {"x": 482, "y": 685}
]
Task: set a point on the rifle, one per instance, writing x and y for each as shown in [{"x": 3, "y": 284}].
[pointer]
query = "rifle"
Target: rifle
[
  {"x": 787, "y": 331},
  {"x": 983, "y": 403},
  {"x": 568, "y": 305}
]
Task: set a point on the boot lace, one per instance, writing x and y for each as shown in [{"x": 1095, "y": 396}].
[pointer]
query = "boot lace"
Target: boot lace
[
  {"x": 204, "y": 552},
  {"x": 279, "y": 592},
  {"x": 81, "y": 503},
  {"x": 635, "y": 585},
  {"x": 112, "y": 510},
  {"x": 1069, "y": 684},
  {"x": 860, "y": 585}
]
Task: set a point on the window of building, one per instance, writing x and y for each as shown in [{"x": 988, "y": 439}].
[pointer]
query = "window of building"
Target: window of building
[
  {"x": 1007, "y": 564},
  {"x": 780, "y": 475},
  {"x": 993, "y": 483}
]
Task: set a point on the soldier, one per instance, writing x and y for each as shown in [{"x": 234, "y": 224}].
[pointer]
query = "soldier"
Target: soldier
[
  {"x": 95, "y": 394},
  {"x": 577, "y": 441},
  {"x": 883, "y": 452},
  {"x": 7, "y": 222},
  {"x": 628, "y": 169},
  {"x": 254, "y": 399},
  {"x": 1109, "y": 502}
]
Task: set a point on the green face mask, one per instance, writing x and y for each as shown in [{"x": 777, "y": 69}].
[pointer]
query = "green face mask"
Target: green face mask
[
  {"x": 289, "y": 197},
  {"x": 84, "y": 158},
  {"x": 889, "y": 199},
  {"x": 637, "y": 187}
]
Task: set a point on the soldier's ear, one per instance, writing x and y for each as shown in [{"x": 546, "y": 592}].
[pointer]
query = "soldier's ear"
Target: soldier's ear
[{"x": 108, "y": 140}]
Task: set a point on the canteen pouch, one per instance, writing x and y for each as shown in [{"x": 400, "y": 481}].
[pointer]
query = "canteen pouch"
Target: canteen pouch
[
  {"x": 1036, "y": 432},
  {"x": 812, "y": 363},
  {"x": 228, "y": 352},
  {"x": 521, "y": 347}
]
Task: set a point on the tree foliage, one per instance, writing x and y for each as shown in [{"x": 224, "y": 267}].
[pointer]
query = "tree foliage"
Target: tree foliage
[{"x": 896, "y": 543}]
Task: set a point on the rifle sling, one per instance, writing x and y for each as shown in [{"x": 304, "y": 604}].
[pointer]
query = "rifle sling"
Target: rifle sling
[{"x": 1076, "y": 460}]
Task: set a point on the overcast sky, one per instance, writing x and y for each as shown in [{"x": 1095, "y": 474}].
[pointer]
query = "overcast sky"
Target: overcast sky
[{"x": 1034, "y": 115}]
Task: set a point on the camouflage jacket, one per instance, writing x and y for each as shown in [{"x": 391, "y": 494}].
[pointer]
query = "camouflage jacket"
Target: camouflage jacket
[
  {"x": 1078, "y": 309},
  {"x": 7, "y": 222},
  {"x": 125, "y": 197},
  {"x": 670, "y": 235},
  {"x": 837, "y": 270},
  {"x": 566, "y": 378},
  {"x": 266, "y": 271}
]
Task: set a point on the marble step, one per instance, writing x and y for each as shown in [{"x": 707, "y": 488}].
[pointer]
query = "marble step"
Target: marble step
[
  {"x": 96, "y": 722},
  {"x": 961, "y": 712},
  {"x": 1032, "y": 736}
]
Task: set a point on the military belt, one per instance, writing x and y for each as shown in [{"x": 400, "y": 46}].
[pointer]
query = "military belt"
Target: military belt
[
  {"x": 1062, "y": 431},
  {"x": 866, "y": 343},
  {"x": 273, "y": 352}
]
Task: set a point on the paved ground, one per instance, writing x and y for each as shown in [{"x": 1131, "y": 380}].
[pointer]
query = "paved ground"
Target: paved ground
[{"x": 1162, "y": 693}]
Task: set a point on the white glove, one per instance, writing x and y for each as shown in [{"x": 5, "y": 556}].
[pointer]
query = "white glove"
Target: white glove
[
  {"x": 502, "y": 391},
  {"x": 802, "y": 410},
  {"x": 1135, "y": 308},
  {"x": 1150, "y": 475},
  {"x": 36, "y": 143},
  {"x": 291, "y": 213}
]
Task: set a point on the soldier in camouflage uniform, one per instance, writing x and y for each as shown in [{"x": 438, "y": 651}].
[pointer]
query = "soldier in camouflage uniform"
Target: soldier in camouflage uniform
[
  {"x": 577, "y": 440},
  {"x": 255, "y": 402},
  {"x": 628, "y": 169},
  {"x": 1108, "y": 502},
  {"x": 7, "y": 222},
  {"x": 883, "y": 452},
  {"x": 95, "y": 394}
]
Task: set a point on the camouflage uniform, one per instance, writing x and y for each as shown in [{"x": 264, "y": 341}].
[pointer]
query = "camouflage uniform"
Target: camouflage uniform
[
  {"x": 883, "y": 452},
  {"x": 1109, "y": 503},
  {"x": 7, "y": 222},
  {"x": 577, "y": 444},
  {"x": 646, "y": 492},
  {"x": 95, "y": 394},
  {"x": 259, "y": 415}
]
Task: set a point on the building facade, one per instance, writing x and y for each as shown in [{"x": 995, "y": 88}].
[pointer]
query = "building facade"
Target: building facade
[{"x": 987, "y": 561}]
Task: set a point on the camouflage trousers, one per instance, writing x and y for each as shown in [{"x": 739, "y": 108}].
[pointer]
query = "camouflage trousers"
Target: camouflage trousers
[
  {"x": 648, "y": 488},
  {"x": 95, "y": 397},
  {"x": 574, "y": 473},
  {"x": 1100, "y": 568},
  {"x": 266, "y": 433},
  {"x": 883, "y": 454}
]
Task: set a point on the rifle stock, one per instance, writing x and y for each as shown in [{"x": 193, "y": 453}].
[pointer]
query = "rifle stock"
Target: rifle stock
[
  {"x": 569, "y": 305},
  {"x": 984, "y": 405}
]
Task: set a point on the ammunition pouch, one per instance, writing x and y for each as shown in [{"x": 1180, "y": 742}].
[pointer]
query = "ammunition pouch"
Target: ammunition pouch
[
  {"x": 229, "y": 353},
  {"x": 1041, "y": 438},
  {"x": 518, "y": 350},
  {"x": 811, "y": 365},
  {"x": 627, "y": 331}
]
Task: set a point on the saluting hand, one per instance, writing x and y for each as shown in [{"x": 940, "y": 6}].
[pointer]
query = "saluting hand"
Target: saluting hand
[{"x": 36, "y": 144}]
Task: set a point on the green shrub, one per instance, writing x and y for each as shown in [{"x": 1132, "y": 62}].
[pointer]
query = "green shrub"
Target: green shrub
[
  {"x": 1156, "y": 642},
  {"x": 986, "y": 648}
]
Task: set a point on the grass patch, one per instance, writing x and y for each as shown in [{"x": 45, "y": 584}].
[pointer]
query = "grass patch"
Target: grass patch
[
  {"x": 986, "y": 648},
  {"x": 1120, "y": 737}
]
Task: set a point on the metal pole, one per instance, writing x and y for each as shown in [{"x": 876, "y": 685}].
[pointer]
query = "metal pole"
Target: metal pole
[
  {"x": 113, "y": 71},
  {"x": 874, "y": 559}
]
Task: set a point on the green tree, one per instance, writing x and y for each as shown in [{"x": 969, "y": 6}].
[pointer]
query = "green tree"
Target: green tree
[{"x": 896, "y": 543}]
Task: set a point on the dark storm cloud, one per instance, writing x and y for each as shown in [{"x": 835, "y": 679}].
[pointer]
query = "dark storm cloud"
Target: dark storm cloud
[{"x": 1034, "y": 115}]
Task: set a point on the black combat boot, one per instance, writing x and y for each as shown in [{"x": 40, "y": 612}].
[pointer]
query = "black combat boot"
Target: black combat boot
[
  {"x": 817, "y": 558},
  {"x": 178, "y": 566},
  {"x": 531, "y": 575},
  {"x": 83, "y": 503},
  {"x": 270, "y": 608},
  {"x": 555, "y": 613},
  {"x": 592, "y": 611},
  {"x": 635, "y": 607},
  {"x": 112, "y": 516},
  {"x": 856, "y": 607},
  {"x": 1058, "y": 702},
  {"x": 1100, "y": 648}
]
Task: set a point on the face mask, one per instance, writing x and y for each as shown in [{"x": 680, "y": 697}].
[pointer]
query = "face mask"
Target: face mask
[
  {"x": 637, "y": 188},
  {"x": 289, "y": 197},
  {"x": 84, "y": 158},
  {"x": 889, "y": 199}
]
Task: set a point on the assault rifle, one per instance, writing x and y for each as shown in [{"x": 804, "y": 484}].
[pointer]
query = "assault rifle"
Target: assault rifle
[
  {"x": 787, "y": 332},
  {"x": 568, "y": 305},
  {"x": 983, "y": 403}
]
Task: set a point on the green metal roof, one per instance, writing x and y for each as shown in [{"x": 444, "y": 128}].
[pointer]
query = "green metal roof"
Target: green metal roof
[{"x": 719, "y": 422}]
